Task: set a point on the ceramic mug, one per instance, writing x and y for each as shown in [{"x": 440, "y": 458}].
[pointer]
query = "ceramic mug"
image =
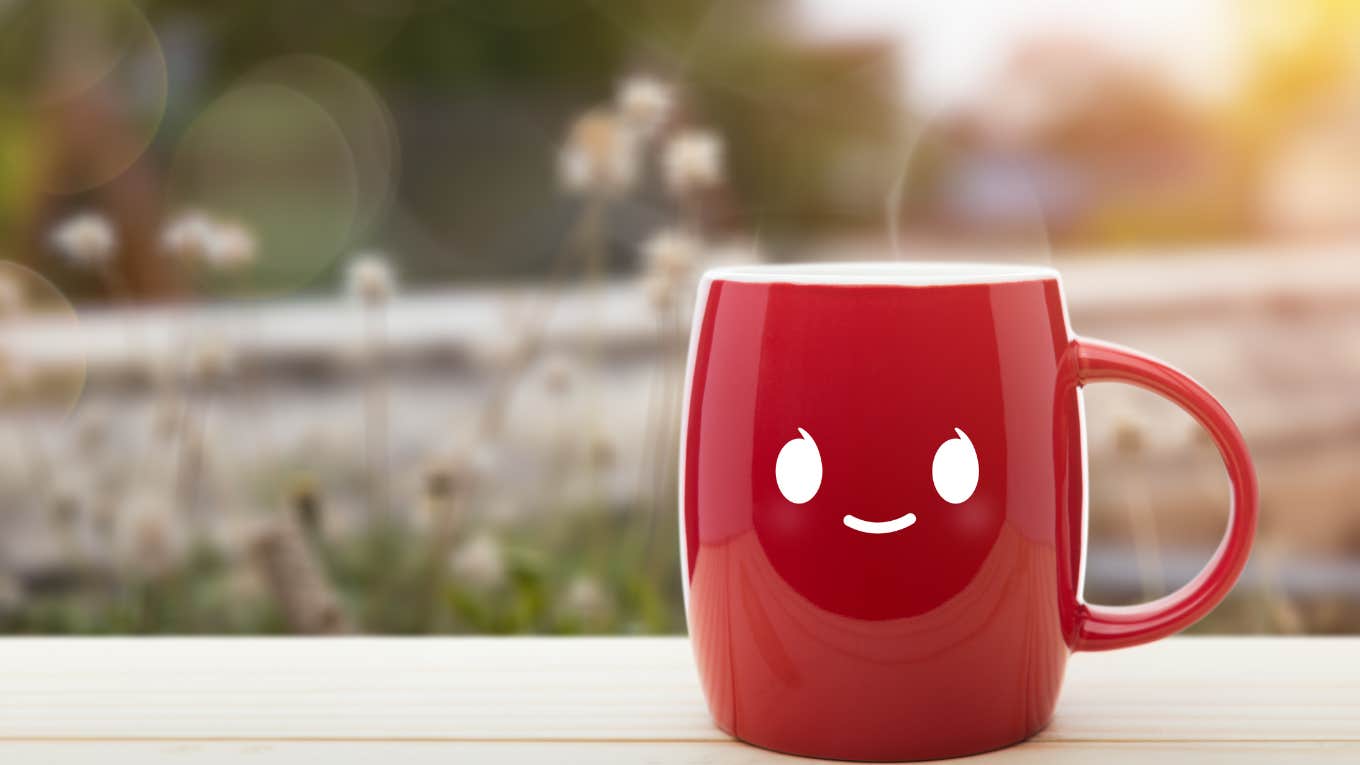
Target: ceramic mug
[{"x": 883, "y": 503}]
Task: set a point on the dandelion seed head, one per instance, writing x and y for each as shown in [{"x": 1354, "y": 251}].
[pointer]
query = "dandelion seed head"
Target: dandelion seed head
[
  {"x": 586, "y": 599},
  {"x": 644, "y": 102},
  {"x": 479, "y": 563},
  {"x": 693, "y": 161},
  {"x": 600, "y": 155},
  {"x": 671, "y": 253},
  {"x": 233, "y": 247},
  {"x": 574, "y": 170},
  {"x": 195, "y": 237},
  {"x": 370, "y": 279},
  {"x": 189, "y": 237},
  {"x": 86, "y": 240}
]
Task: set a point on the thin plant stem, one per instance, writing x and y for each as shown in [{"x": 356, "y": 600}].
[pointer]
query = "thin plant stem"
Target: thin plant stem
[
  {"x": 491, "y": 423},
  {"x": 189, "y": 472},
  {"x": 674, "y": 379},
  {"x": 594, "y": 274},
  {"x": 376, "y": 410},
  {"x": 1147, "y": 549},
  {"x": 651, "y": 441},
  {"x": 29, "y": 443}
]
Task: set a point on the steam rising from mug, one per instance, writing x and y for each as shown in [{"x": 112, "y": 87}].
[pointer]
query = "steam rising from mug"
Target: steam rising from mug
[{"x": 964, "y": 198}]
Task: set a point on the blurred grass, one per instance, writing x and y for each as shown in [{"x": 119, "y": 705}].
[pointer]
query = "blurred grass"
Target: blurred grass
[{"x": 389, "y": 583}]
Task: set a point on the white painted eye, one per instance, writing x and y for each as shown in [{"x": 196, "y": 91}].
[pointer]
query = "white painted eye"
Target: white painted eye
[
  {"x": 798, "y": 471},
  {"x": 955, "y": 469}
]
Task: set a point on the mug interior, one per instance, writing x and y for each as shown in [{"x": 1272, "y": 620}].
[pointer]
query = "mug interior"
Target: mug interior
[{"x": 915, "y": 273}]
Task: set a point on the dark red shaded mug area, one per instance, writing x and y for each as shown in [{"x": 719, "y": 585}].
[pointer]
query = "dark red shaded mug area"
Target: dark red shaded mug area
[{"x": 949, "y": 636}]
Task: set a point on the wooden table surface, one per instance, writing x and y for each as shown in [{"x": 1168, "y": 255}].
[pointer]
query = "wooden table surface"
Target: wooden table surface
[{"x": 606, "y": 700}]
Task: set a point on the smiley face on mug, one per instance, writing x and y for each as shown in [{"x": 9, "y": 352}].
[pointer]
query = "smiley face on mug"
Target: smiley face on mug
[{"x": 798, "y": 473}]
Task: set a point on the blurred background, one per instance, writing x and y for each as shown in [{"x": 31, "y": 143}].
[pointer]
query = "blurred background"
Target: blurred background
[{"x": 370, "y": 316}]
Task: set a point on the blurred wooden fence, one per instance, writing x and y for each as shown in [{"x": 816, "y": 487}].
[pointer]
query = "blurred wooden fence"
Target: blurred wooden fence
[{"x": 1274, "y": 333}]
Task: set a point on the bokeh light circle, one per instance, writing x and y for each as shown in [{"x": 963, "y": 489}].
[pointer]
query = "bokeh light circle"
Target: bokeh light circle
[
  {"x": 82, "y": 87},
  {"x": 273, "y": 161},
  {"x": 362, "y": 116},
  {"x": 42, "y": 347}
]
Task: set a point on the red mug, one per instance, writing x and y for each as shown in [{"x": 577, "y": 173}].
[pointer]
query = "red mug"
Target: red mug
[{"x": 883, "y": 503}]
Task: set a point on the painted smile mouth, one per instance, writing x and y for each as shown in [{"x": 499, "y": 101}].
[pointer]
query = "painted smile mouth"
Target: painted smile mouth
[{"x": 879, "y": 527}]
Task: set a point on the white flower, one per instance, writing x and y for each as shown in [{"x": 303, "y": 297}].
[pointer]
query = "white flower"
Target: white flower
[
  {"x": 671, "y": 254},
  {"x": 479, "y": 564},
  {"x": 194, "y": 237},
  {"x": 599, "y": 156},
  {"x": 574, "y": 170},
  {"x": 670, "y": 258},
  {"x": 12, "y": 299},
  {"x": 586, "y": 600},
  {"x": 644, "y": 102},
  {"x": 86, "y": 240},
  {"x": 370, "y": 279},
  {"x": 693, "y": 161},
  {"x": 188, "y": 237},
  {"x": 233, "y": 247}
]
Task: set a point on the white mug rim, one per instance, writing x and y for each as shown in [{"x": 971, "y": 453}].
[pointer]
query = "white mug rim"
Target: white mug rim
[{"x": 895, "y": 273}]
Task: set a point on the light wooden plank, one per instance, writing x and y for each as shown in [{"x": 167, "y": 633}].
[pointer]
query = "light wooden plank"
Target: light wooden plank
[
  {"x": 631, "y": 753},
  {"x": 606, "y": 690},
  {"x": 353, "y": 688}
]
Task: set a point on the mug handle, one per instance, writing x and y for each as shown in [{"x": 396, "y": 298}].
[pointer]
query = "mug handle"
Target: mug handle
[{"x": 1101, "y": 628}]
